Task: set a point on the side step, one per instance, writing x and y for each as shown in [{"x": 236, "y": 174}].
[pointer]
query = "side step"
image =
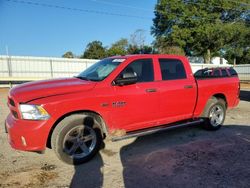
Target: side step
[{"x": 155, "y": 130}]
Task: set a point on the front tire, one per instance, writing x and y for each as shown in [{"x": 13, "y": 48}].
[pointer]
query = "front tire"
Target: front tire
[
  {"x": 76, "y": 139},
  {"x": 215, "y": 114}
]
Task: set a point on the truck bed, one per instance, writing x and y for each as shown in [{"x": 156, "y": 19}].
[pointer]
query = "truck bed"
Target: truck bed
[{"x": 212, "y": 82}]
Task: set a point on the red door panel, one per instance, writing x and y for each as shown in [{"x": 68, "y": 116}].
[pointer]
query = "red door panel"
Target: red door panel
[
  {"x": 135, "y": 106},
  {"x": 177, "y": 100},
  {"x": 177, "y": 91}
]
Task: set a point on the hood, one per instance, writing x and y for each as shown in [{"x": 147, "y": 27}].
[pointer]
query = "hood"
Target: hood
[{"x": 41, "y": 89}]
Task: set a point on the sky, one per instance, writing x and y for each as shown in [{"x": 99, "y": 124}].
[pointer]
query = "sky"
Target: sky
[{"x": 38, "y": 28}]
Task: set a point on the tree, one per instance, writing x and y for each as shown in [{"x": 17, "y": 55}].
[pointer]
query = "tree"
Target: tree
[
  {"x": 199, "y": 27},
  {"x": 133, "y": 49},
  {"x": 137, "y": 43},
  {"x": 239, "y": 50},
  {"x": 68, "y": 54},
  {"x": 118, "y": 48},
  {"x": 165, "y": 48},
  {"x": 138, "y": 38},
  {"x": 147, "y": 50},
  {"x": 94, "y": 50}
]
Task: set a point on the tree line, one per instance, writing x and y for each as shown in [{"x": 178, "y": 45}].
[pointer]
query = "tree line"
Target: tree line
[
  {"x": 134, "y": 45},
  {"x": 206, "y": 28}
]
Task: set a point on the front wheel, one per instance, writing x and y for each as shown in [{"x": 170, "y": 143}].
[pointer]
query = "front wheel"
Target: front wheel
[
  {"x": 76, "y": 139},
  {"x": 216, "y": 113}
]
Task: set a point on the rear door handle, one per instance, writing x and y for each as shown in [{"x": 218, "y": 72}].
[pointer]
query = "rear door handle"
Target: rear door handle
[
  {"x": 151, "y": 90},
  {"x": 188, "y": 86}
]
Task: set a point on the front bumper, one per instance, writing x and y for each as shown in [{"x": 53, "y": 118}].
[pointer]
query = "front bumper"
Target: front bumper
[{"x": 27, "y": 135}]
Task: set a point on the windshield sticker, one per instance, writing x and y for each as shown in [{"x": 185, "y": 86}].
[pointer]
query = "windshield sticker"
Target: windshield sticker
[{"x": 118, "y": 60}]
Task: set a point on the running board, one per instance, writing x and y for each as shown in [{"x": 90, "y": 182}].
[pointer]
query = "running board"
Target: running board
[{"x": 155, "y": 130}]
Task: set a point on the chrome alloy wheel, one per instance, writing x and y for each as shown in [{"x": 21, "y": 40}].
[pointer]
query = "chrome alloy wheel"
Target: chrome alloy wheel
[
  {"x": 79, "y": 141},
  {"x": 216, "y": 115}
]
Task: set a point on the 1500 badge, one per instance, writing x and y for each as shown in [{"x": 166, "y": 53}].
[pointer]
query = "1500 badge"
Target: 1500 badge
[{"x": 118, "y": 104}]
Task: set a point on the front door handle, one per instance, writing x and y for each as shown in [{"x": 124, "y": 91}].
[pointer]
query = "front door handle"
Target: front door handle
[
  {"x": 188, "y": 86},
  {"x": 151, "y": 90}
]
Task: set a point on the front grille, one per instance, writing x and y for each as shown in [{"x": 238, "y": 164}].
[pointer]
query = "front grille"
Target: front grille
[
  {"x": 14, "y": 113},
  {"x": 12, "y": 103}
]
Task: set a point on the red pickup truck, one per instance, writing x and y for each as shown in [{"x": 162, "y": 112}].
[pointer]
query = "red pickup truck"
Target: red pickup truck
[{"x": 118, "y": 97}]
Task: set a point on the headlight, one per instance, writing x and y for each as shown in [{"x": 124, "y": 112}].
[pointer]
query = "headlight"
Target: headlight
[{"x": 33, "y": 112}]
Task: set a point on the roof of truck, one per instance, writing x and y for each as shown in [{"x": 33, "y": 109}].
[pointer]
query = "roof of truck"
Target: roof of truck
[{"x": 148, "y": 55}]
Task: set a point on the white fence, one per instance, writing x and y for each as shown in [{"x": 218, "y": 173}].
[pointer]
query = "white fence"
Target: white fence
[
  {"x": 243, "y": 72},
  {"x": 41, "y": 67},
  {"x": 24, "y": 68}
]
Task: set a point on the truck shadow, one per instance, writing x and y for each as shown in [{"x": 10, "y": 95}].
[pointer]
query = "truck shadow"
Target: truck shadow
[
  {"x": 245, "y": 95},
  {"x": 184, "y": 157},
  {"x": 88, "y": 174},
  {"x": 189, "y": 157}
]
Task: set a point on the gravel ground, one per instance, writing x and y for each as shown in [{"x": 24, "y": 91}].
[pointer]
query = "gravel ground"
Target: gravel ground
[{"x": 186, "y": 157}]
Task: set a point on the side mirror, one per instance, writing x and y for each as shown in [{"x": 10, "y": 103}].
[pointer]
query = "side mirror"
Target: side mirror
[{"x": 126, "y": 78}]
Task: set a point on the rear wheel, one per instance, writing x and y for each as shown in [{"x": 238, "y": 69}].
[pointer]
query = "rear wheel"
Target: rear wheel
[
  {"x": 215, "y": 114},
  {"x": 77, "y": 138}
]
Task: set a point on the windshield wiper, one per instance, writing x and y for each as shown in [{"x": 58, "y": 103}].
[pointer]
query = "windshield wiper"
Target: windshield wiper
[
  {"x": 83, "y": 78},
  {"x": 86, "y": 78}
]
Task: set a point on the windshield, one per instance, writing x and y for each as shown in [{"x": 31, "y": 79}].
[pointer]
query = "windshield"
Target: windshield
[{"x": 100, "y": 70}]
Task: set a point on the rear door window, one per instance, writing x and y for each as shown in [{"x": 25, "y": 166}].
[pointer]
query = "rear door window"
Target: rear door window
[{"x": 172, "y": 69}]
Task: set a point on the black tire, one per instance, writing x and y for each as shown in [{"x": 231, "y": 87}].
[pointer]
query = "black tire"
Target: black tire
[
  {"x": 214, "y": 114},
  {"x": 77, "y": 138}
]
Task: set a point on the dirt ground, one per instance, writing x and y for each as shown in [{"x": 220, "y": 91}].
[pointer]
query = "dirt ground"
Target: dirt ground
[{"x": 186, "y": 157}]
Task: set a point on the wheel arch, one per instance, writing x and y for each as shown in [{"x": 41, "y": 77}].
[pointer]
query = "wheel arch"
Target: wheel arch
[
  {"x": 221, "y": 96},
  {"x": 103, "y": 128},
  {"x": 218, "y": 96}
]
